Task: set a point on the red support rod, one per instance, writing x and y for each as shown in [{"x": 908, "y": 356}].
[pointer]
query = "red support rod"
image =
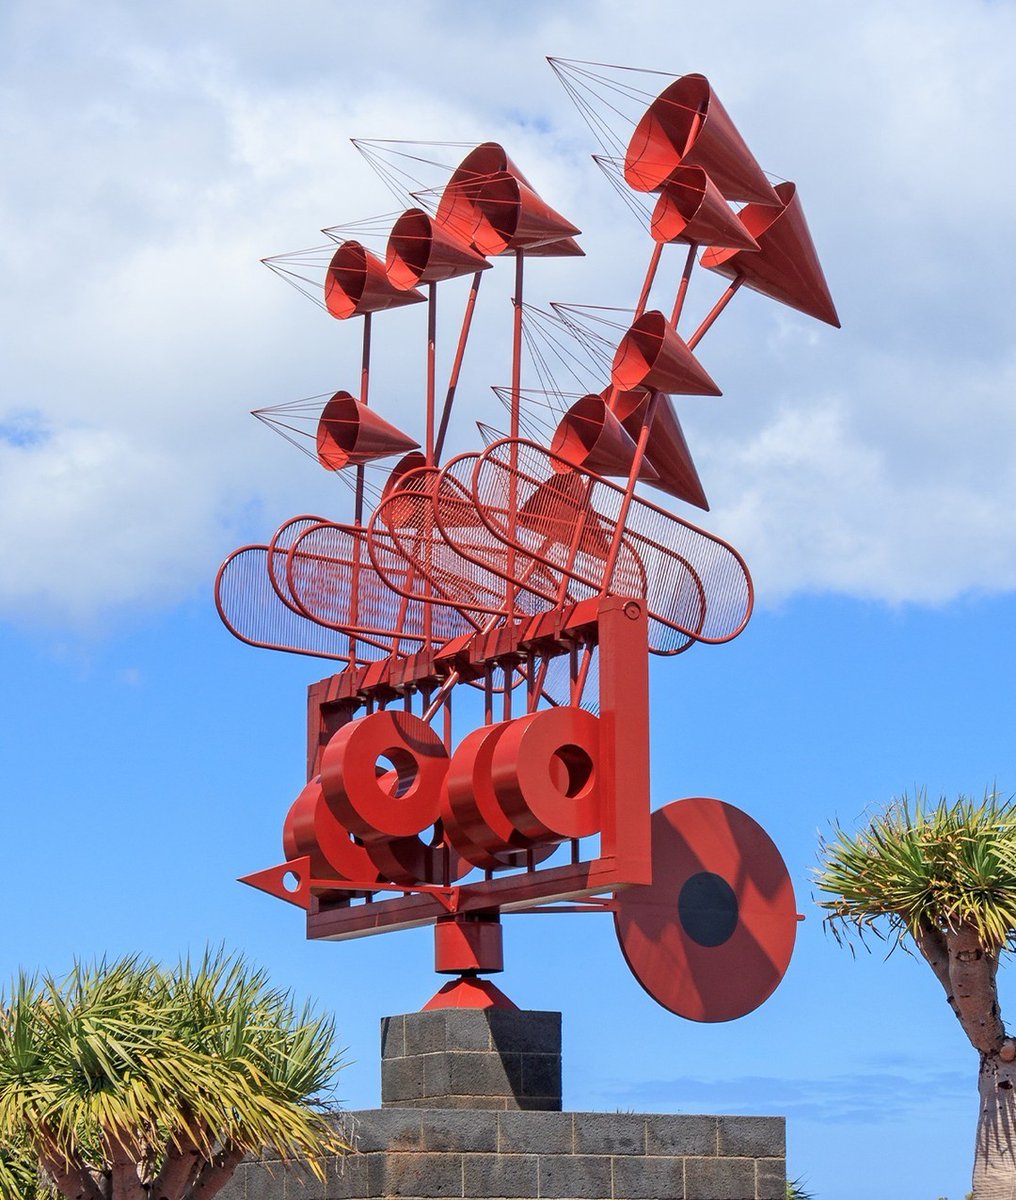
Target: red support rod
[
  {"x": 714, "y": 312},
  {"x": 682, "y": 287},
  {"x": 453, "y": 378}
]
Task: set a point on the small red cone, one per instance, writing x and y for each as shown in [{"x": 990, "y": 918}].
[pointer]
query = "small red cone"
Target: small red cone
[
  {"x": 356, "y": 283},
  {"x": 691, "y": 210},
  {"x": 653, "y": 355},
  {"x": 349, "y": 434}
]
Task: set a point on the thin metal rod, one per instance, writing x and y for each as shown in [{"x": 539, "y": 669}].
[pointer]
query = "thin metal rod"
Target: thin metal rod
[
  {"x": 682, "y": 287},
  {"x": 453, "y": 378},
  {"x": 431, "y": 367},
  {"x": 516, "y": 398},
  {"x": 629, "y": 491},
  {"x": 354, "y": 583},
  {"x": 714, "y": 312},
  {"x": 654, "y": 262}
]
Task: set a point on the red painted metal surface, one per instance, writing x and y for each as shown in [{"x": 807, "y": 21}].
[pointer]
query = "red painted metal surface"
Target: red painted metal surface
[
  {"x": 525, "y": 572},
  {"x": 686, "y": 125},
  {"x": 711, "y": 937},
  {"x": 786, "y": 268}
]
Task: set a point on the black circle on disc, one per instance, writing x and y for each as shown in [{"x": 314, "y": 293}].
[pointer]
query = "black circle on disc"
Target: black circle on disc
[{"x": 707, "y": 909}]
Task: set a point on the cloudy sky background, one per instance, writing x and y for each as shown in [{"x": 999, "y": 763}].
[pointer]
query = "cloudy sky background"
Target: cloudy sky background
[{"x": 154, "y": 153}]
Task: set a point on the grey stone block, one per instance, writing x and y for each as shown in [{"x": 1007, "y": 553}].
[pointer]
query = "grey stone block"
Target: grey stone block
[
  {"x": 300, "y": 1183},
  {"x": 752, "y": 1137},
  {"x": 535, "y": 1132},
  {"x": 636, "y": 1176},
  {"x": 610, "y": 1133},
  {"x": 437, "y": 1076},
  {"x": 473, "y": 1074},
  {"x": 514, "y": 1175},
  {"x": 393, "y": 1037},
  {"x": 236, "y": 1188},
  {"x": 577, "y": 1176},
  {"x": 474, "y": 1132},
  {"x": 467, "y": 1029},
  {"x": 386, "y": 1129},
  {"x": 541, "y": 1074},
  {"x": 770, "y": 1179},
  {"x": 525, "y": 1030},
  {"x": 667, "y": 1133},
  {"x": 425, "y": 1032},
  {"x": 422, "y": 1175},
  {"x": 348, "y": 1177},
  {"x": 719, "y": 1178},
  {"x": 265, "y": 1182},
  {"x": 402, "y": 1079}
]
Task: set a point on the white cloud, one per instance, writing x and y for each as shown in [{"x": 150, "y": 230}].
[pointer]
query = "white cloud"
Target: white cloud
[{"x": 156, "y": 154}]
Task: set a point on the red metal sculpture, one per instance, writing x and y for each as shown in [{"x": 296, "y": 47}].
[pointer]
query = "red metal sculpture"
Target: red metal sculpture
[{"x": 529, "y": 584}]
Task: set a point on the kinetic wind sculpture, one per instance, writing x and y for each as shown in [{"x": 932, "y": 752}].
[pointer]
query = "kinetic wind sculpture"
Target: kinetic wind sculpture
[{"x": 542, "y": 577}]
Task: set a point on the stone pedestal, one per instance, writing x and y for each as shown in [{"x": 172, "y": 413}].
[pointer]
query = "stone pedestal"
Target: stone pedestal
[
  {"x": 471, "y": 1111},
  {"x": 472, "y": 1058}
]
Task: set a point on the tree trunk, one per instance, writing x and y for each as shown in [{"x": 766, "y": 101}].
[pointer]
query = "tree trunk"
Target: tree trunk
[{"x": 995, "y": 1151}]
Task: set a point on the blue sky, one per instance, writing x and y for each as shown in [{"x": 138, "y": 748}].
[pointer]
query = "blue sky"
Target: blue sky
[{"x": 155, "y": 154}]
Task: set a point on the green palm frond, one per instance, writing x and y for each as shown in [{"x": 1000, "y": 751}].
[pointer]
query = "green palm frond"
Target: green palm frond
[
  {"x": 948, "y": 865},
  {"x": 126, "y": 1057}
]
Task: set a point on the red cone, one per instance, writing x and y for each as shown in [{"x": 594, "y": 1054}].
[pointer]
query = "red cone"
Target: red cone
[
  {"x": 691, "y": 210},
  {"x": 686, "y": 124},
  {"x": 422, "y": 251},
  {"x": 786, "y": 268},
  {"x": 652, "y": 355},
  {"x": 356, "y": 283},
  {"x": 590, "y": 436},
  {"x": 349, "y": 434},
  {"x": 666, "y": 449}
]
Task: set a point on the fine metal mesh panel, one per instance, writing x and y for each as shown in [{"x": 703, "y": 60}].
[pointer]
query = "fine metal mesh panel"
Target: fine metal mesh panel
[
  {"x": 278, "y": 550},
  {"x": 335, "y": 582},
  {"x": 696, "y": 587},
  {"x": 251, "y": 610}
]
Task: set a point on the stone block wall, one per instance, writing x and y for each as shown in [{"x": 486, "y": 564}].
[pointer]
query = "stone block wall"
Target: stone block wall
[{"x": 427, "y": 1154}]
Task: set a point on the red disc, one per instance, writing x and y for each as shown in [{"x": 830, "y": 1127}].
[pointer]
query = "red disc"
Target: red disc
[{"x": 711, "y": 937}]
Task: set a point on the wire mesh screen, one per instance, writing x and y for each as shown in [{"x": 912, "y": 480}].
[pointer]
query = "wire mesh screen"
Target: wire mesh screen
[{"x": 696, "y": 587}]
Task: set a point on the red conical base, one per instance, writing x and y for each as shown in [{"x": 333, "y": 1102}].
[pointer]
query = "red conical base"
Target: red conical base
[
  {"x": 349, "y": 434},
  {"x": 356, "y": 283},
  {"x": 652, "y": 355},
  {"x": 686, "y": 124},
  {"x": 468, "y": 992},
  {"x": 691, "y": 209},
  {"x": 786, "y": 268},
  {"x": 590, "y": 436},
  {"x": 422, "y": 251},
  {"x": 667, "y": 450}
]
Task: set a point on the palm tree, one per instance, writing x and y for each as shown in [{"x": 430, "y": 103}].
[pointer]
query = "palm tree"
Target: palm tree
[
  {"x": 127, "y": 1082},
  {"x": 944, "y": 878}
]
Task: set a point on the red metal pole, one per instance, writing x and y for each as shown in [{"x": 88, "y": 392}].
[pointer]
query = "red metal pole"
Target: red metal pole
[
  {"x": 714, "y": 312},
  {"x": 354, "y": 596},
  {"x": 431, "y": 367},
  {"x": 654, "y": 262},
  {"x": 453, "y": 378},
  {"x": 682, "y": 287}
]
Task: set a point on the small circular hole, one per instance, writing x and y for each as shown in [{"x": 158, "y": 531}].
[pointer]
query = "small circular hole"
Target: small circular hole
[
  {"x": 397, "y": 771},
  {"x": 291, "y": 881},
  {"x": 571, "y": 770}
]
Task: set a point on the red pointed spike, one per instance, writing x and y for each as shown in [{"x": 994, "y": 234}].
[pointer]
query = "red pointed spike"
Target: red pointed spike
[
  {"x": 356, "y": 283},
  {"x": 349, "y": 434},
  {"x": 653, "y": 355},
  {"x": 420, "y": 250},
  {"x": 691, "y": 210},
  {"x": 274, "y": 881},
  {"x": 687, "y": 124},
  {"x": 786, "y": 268},
  {"x": 590, "y": 436},
  {"x": 666, "y": 448}
]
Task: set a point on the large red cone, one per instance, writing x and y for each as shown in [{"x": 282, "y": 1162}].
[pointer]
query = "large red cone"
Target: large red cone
[
  {"x": 350, "y": 434},
  {"x": 557, "y": 508},
  {"x": 356, "y": 283},
  {"x": 590, "y": 436},
  {"x": 489, "y": 203},
  {"x": 565, "y": 248},
  {"x": 691, "y": 210},
  {"x": 652, "y": 355},
  {"x": 686, "y": 124},
  {"x": 422, "y": 251},
  {"x": 786, "y": 267},
  {"x": 666, "y": 449},
  {"x": 511, "y": 216}
]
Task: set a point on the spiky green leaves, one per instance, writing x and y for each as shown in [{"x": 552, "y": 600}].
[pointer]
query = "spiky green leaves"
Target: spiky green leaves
[
  {"x": 127, "y": 1066},
  {"x": 951, "y": 865}
]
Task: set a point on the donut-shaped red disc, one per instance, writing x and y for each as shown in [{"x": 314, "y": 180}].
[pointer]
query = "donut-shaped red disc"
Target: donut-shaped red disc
[
  {"x": 364, "y": 800},
  {"x": 544, "y": 770},
  {"x": 312, "y": 829},
  {"x": 711, "y": 937}
]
